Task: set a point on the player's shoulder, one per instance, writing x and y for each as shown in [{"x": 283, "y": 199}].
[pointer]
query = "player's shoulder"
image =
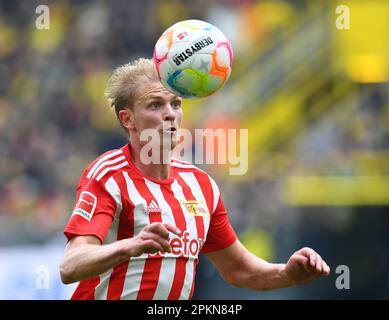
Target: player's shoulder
[
  {"x": 106, "y": 165},
  {"x": 202, "y": 177},
  {"x": 185, "y": 166}
]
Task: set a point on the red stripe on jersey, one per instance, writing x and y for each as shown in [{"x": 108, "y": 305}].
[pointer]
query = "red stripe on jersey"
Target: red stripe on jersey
[
  {"x": 116, "y": 281},
  {"x": 206, "y": 189},
  {"x": 85, "y": 290},
  {"x": 179, "y": 219},
  {"x": 152, "y": 267},
  {"x": 193, "y": 281},
  {"x": 150, "y": 278},
  {"x": 179, "y": 278},
  {"x": 125, "y": 230}
]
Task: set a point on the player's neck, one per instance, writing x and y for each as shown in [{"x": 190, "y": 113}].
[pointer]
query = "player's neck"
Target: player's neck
[{"x": 158, "y": 169}]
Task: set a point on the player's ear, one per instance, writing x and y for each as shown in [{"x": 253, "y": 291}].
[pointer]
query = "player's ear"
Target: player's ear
[{"x": 126, "y": 117}]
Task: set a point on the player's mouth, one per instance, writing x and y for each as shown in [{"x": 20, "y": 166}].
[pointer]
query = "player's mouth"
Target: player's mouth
[{"x": 170, "y": 130}]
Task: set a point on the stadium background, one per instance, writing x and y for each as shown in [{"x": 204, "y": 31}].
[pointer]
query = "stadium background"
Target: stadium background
[{"x": 314, "y": 98}]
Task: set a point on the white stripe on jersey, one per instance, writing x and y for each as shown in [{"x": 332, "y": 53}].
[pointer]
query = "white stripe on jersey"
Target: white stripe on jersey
[
  {"x": 193, "y": 184},
  {"x": 113, "y": 189},
  {"x": 101, "y": 290},
  {"x": 191, "y": 227},
  {"x": 111, "y": 186},
  {"x": 136, "y": 265},
  {"x": 102, "y": 159},
  {"x": 180, "y": 161},
  {"x": 133, "y": 277},
  {"x": 140, "y": 205},
  {"x": 216, "y": 193},
  {"x": 120, "y": 165},
  {"x": 168, "y": 265},
  {"x": 107, "y": 163},
  {"x": 185, "y": 292},
  {"x": 185, "y": 166}
]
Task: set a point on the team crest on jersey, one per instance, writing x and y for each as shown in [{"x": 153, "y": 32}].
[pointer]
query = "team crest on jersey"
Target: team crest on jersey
[
  {"x": 86, "y": 205},
  {"x": 196, "y": 208}
]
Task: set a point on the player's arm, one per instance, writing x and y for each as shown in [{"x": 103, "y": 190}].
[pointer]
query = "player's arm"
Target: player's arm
[
  {"x": 86, "y": 257},
  {"x": 241, "y": 268}
]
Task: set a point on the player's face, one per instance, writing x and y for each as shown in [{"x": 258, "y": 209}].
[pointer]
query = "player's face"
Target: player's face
[{"x": 158, "y": 109}]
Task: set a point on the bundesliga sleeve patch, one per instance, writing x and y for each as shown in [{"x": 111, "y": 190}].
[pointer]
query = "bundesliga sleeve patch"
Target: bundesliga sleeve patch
[{"x": 86, "y": 205}]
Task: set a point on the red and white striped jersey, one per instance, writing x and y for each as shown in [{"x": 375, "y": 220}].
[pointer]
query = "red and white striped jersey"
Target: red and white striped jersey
[{"x": 115, "y": 200}]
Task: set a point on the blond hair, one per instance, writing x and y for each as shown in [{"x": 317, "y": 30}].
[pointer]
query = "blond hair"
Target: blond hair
[{"x": 125, "y": 80}]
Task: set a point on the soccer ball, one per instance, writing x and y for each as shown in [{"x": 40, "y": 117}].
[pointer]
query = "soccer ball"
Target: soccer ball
[{"x": 193, "y": 59}]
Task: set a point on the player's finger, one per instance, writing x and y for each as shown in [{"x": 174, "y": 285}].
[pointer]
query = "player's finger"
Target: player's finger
[
  {"x": 172, "y": 228},
  {"x": 303, "y": 261},
  {"x": 318, "y": 263},
  {"x": 157, "y": 238},
  {"x": 152, "y": 246},
  {"x": 312, "y": 260},
  {"x": 311, "y": 255},
  {"x": 158, "y": 228},
  {"x": 326, "y": 268}
]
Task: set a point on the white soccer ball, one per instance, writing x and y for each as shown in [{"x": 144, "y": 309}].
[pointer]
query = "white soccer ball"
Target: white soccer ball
[{"x": 193, "y": 59}]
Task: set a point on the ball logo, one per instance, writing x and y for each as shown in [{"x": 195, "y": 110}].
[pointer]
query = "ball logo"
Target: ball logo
[
  {"x": 86, "y": 205},
  {"x": 197, "y": 46},
  {"x": 182, "y": 35}
]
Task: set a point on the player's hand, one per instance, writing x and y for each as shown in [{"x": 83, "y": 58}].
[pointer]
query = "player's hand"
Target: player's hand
[
  {"x": 305, "y": 265},
  {"x": 153, "y": 238}
]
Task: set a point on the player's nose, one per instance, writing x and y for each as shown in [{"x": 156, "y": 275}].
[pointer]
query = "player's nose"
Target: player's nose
[{"x": 169, "y": 113}]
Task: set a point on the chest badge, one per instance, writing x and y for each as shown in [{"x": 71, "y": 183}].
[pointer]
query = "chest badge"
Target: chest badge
[{"x": 196, "y": 208}]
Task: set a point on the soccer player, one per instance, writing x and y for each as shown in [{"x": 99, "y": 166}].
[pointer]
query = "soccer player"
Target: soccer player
[{"x": 138, "y": 226}]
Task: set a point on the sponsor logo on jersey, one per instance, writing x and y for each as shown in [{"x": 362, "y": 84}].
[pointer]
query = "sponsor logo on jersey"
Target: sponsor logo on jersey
[
  {"x": 183, "y": 246},
  {"x": 196, "y": 208},
  {"x": 86, "y": 205}
]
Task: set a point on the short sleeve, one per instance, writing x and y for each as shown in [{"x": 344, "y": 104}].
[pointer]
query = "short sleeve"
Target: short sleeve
[
  {"x": 220, "y": 234},
  {"x": 93, "y": 212}
]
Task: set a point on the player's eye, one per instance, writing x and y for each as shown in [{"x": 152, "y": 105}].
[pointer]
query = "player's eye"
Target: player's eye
[
  {"x": 154, "y": 105},
  {"x": 176, "y": 104}
]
